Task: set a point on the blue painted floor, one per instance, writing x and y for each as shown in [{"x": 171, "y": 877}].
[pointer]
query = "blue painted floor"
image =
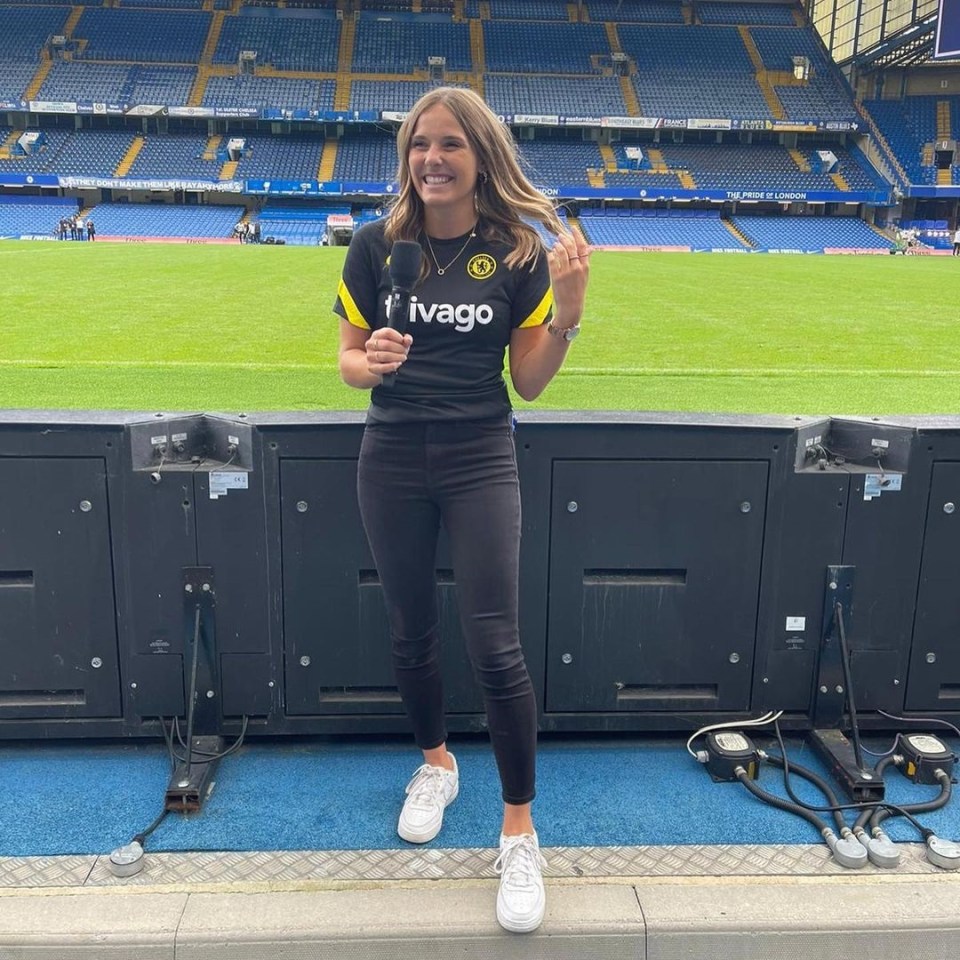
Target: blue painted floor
[{"x": 88, "y": 798}]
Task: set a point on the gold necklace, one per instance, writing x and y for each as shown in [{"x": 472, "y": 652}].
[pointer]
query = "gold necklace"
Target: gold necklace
[{"x": 442, "y": 270}]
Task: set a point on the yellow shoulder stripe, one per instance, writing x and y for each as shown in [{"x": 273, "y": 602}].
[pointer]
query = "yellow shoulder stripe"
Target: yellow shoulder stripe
[
  {"x": 540, "y": 312},
  {"x": 353, "y": 314}
]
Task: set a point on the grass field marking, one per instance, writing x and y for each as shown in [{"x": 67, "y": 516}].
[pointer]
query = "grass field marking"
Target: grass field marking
[
  {"x": 749, "y": 372},
  {"x": 161, "y": 364},
  {"x": 564, "y": 371}
]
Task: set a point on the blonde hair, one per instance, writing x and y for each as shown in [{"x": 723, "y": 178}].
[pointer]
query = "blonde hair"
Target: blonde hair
[{"x": 504, "y": 195}]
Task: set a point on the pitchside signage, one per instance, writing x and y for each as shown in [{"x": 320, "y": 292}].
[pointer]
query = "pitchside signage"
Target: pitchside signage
[{"x": 948, "y": 29}]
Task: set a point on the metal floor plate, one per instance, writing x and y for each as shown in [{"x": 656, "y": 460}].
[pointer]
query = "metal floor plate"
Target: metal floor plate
[{"x": 312, "y": 867}]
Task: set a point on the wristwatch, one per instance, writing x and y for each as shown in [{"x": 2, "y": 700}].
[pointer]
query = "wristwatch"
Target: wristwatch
[{"x": 564, "y": 333}]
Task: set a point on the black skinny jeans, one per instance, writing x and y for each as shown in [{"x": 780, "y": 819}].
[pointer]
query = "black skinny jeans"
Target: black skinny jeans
[{"x": 410, "y": 478}]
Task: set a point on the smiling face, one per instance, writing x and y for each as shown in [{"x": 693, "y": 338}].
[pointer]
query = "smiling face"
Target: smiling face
[{"x": 443, "y": 171}]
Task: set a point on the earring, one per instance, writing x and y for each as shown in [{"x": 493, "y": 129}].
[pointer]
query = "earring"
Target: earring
[{"x": 484, "y": 177}]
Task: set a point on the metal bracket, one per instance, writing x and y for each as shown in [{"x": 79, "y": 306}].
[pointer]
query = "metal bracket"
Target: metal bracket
[
  {"x": 192, "y": 777},
  {"x": 831, "y": 696},
  {"x": 190, "y": 785},
  {"x": 830, "y": 701}
]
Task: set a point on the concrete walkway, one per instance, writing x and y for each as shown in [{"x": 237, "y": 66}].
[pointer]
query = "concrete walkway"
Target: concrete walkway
[{"x": 604, "y": 903}]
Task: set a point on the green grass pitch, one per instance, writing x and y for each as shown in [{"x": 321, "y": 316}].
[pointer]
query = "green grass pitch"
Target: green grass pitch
[{"x": 246, "y": 328}]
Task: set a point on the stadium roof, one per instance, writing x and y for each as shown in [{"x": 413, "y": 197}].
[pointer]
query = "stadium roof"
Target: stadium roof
[{"x": 873, "y": 34}]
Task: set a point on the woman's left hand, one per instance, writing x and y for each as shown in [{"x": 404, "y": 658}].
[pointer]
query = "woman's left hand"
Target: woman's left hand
[{"x": 569, "y": 262}]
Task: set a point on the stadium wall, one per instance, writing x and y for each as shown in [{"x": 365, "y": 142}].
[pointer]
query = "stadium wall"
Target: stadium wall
[{"x": 675, "y": 570}]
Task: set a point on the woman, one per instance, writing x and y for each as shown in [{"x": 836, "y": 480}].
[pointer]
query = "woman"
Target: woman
[{"x": 438, "y": 443}]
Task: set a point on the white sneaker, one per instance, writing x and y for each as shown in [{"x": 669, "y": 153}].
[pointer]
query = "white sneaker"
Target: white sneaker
[
  {"x": 521, "y": 900},
  {"x": 430, "y": 791}
]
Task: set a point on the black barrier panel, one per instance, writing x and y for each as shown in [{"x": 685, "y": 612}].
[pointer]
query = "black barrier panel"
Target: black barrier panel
[
  {"x": 673, "y": 572},
  {"x": 336, "y": 635},
  {"x": 654, "y": 585},
  {"x": 57, "y": 620},
  {"x": 883, "y": 540},
  {"x": 935, "y": 658}
]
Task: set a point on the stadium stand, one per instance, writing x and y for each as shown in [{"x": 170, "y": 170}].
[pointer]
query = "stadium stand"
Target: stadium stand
[
  {"x": 165, "y": 220},
  {"x": 695, "y": 230},
  {"x": 34, "y": 217},
  {"x": 239, "y": 91},
  {"x": 527, "y": 57},
  {"x": 562, "y": 96},
  {"x": 118, "y": 83},
  {"x": 286, "y": 40},
  {"x": 366, "y": 157},
  {"x": 145, "y": 36},
  {"x": 518, "y": 47},
  {"x": 284, "y": 158},
  {"x": 810, "y": 234},
  {"x": 403, "y": 46}
]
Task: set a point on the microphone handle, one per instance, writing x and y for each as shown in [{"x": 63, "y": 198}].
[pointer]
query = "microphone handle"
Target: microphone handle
[{"x": 396, "y": 320}]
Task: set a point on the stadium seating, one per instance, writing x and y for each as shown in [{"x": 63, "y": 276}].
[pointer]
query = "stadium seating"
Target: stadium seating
[
  {"x": 269, "y": 93},
  {"x": 753, "y": 14},
  {"x": 810, "y": 234},
  {"x": 518, "y": 47},
  {"x": 366, "y": 158},
  {"x": 281, "y": 158},
  {"x": 403, "y": 46},
  {"x": 165, "y": 220},
  {"x": 525, "y": 56},
  {"x": 298, "y": 41},
  {"x": 118, "y": 83},
  {"x": 36, "y": 216},
  {"x": 563, "y": 96},
  {"x": 696, "y": 230},
  {"x": 96, "y": 153},
  {"x": 146, "y": 36},
  {"x": 649, "y": 11}
]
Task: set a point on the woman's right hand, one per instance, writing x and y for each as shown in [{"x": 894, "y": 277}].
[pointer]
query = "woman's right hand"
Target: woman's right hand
[{"x": 386, "y": 350}]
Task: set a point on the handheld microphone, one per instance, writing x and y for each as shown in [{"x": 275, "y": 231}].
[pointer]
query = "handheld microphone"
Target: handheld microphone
[{"x": 405, "y": 259}]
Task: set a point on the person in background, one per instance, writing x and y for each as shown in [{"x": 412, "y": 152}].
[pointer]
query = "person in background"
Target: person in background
[{"x": 438, "y": 443}]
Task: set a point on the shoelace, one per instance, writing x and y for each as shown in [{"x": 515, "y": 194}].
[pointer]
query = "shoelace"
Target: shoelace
[
  {"x": 426, "y": 786},
  {"x": 520, "y": 861}
]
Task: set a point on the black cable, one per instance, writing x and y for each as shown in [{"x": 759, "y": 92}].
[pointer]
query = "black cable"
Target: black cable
[
  {"x": 862, "y": 805},
  {"x": 203, "y": 756},
  {"x": 936, "y": 803},
  {"x": 878, "y": 773},
  {"x": 817, "y": 781},
  {"x": 848, "y": 680},
  {"x": 779, "y": 802},
  {"x": 934, "y": 720},
  {"x": 191, "y": 702}
]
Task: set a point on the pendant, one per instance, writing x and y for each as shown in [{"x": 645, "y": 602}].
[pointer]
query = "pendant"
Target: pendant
[{"x": 440, "y": 271}]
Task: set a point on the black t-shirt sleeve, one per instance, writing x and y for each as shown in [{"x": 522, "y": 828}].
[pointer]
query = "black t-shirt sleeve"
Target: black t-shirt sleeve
[
  {"x": 533, "y": 299},
  {"x": 357, "y": 294}
]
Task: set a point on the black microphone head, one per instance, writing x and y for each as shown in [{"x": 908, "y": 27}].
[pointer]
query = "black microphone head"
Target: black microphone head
[{"x": 405, "y": 259}]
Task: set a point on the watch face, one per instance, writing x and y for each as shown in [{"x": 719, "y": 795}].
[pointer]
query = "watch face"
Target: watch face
[{"x": 571, "y": 333}]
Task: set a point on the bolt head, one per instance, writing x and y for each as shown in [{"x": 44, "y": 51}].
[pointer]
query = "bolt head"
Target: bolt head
[
  {"x": 302, "y": 506},
  {"x": 86, "y": 506},
  {"x": 304, "y": 661},
  {"x": 567, "y": 658},
  {"x": 573, "y": 506},
  {"x": 96, "y": 663},
  {"x": 188, "y": 588}
]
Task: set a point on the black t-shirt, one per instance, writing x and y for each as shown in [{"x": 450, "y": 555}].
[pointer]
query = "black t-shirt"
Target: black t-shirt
[{"x": 460, "y": 323}]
